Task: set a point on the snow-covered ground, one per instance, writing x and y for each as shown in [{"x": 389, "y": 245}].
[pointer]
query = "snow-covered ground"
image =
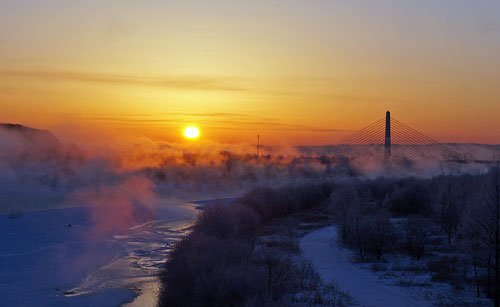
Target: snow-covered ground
[
  {"x": 47, "y": 258},
  {"x": 333, "y": 263}
]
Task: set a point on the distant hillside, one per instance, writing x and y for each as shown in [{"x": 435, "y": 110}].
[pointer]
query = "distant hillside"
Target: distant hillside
[
  {"x": 30, "y": 134},
  {"x": 21, "y": 141}
]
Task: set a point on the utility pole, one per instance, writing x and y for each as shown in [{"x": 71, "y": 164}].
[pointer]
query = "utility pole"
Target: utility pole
[{"x": 258, "y": 144}]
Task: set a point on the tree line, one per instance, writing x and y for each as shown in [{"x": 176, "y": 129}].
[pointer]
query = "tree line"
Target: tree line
[
  {"x": 219, "y": 264},
  {"x": 459, "y": 216}
]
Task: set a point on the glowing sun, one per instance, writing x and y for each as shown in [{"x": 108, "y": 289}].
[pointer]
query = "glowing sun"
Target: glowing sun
[{"x": 191, "y": 132}]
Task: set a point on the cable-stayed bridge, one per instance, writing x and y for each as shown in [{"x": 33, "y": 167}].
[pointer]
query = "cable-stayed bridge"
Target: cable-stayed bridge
[{"x": 391, "y": 140}]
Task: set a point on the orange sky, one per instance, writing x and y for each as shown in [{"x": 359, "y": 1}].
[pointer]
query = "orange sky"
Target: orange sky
[{"x": 295, "y": 72}]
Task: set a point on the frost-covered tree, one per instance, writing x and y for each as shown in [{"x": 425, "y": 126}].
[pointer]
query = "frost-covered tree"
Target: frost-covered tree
[
  {"x": 448, "y": 211},
  {"x": 485, "y": 231},
  {"x": 344, "y": 204},
  {"x": 416, "y": 237},
  {"x": 380, "y": 233}
]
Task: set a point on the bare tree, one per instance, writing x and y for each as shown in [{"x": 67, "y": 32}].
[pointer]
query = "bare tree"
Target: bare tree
[
  {"x": 416, "y": 237},
  {"x": 448, "y": 210},
  {"x": 485, "y": 229},
  {"x": 358, "y": 228},
  {"x": 381, "y": 234},
  {"x": 278, "y": 270},
  {"x": 493, "y": 201},
  {"x": 343, "y": 204}
]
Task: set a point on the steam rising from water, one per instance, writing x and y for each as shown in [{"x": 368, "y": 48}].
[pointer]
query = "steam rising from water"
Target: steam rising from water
[
  {"x": 127, "y": 185},
  {"x": 116, "y": 207},
  {"x": 123, "y": 180}
]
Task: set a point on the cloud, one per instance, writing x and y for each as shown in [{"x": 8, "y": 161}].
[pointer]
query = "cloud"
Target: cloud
[
  {"x": 285, "y": 87},
  {"x": 236, "y": 121},
  {"x": 178, "y": 82}
]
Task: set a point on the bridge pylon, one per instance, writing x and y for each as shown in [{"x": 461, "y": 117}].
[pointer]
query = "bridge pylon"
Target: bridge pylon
[
  {"x": 389, "y": 140},
  {"x": 387, "y": 144}
]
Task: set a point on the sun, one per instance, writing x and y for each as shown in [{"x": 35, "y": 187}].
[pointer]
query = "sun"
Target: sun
[{"x": 191, "y": 132}]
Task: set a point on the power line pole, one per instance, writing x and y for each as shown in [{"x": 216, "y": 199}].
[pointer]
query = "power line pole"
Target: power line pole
[{"x": 258, "y": 145}]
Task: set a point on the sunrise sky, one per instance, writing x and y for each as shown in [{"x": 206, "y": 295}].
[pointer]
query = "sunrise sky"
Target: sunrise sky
[{"x": 295, "y": 72}]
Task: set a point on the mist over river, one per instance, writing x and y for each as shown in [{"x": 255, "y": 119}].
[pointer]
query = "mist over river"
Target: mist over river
[{"x": 48, "y": 258}]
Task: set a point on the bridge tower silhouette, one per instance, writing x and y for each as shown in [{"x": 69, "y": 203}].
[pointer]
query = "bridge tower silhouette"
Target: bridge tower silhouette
[
  {"x": 387, "y": 145},
  {"x": 389, "y": 139}
]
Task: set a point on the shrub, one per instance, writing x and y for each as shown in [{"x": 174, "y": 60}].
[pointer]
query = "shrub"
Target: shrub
[
  {"x": 416, "y": 237},
  {"x": 215, "y": 265},
  {"x": 412, "y": 198}
]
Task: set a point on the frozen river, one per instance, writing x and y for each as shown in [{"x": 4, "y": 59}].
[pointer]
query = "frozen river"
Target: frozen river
[{"x": 48, "y": 259}]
